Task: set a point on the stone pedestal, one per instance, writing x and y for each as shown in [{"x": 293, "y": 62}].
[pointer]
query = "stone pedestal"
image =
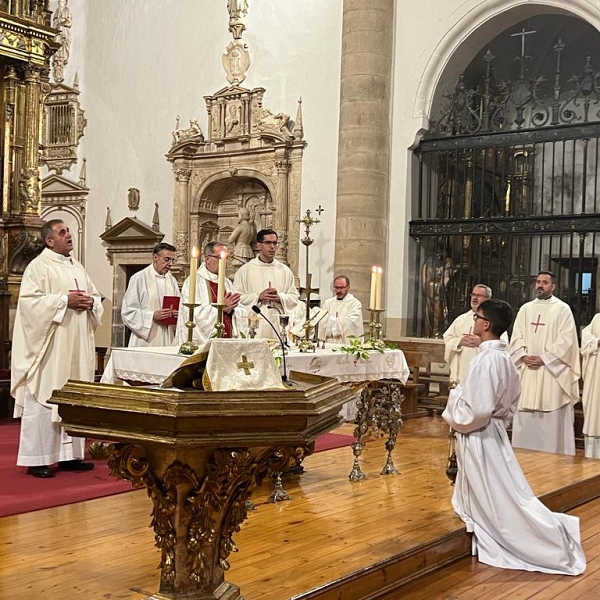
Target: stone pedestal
[{"x": 199, "y": 454}]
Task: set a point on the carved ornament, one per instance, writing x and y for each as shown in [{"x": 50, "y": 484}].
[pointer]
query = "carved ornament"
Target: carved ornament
[{"x": 236, "y": 61}]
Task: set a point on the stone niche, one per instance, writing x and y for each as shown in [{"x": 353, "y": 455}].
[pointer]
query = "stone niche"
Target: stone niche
[
  {"x": 250, "y": 167},
  {"x": 129, "y": 246}
]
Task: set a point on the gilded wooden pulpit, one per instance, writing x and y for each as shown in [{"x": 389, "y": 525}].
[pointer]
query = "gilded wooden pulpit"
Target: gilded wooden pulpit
[{"x": 200, "y": 454}]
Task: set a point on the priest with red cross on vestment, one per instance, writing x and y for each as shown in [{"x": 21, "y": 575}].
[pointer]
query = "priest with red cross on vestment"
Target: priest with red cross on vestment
[{"x": 545, "y": 350}]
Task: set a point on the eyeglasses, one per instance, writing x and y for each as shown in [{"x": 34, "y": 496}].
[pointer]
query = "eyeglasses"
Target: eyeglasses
[
  {"x": 269, "y": 243},
  {"x": 341, "y": 287},
  {"x": 476, "y": 316},
  {"x": 217, "y": 256}
]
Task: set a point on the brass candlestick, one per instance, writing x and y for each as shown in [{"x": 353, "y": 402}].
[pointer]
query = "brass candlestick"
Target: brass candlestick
[
  {"x": 189, "y": 347},
  {"x": 375, "y": 323},
  {"x": 219, "y": 326}
]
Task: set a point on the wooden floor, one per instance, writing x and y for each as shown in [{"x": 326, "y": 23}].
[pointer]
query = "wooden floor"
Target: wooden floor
[{"x": 335, "y": 539}]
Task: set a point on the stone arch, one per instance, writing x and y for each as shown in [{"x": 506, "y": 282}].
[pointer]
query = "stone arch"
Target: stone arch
[{"x": 479, "y": 23}]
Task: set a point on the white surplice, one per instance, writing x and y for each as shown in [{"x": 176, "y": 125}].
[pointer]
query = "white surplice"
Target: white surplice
[
  {"x": 205, "y": 315},
  {"x": 544, "y": 421},
  {"x": 458, "y": 357},
  {"x": 345, "y": 314},
  {"x": 254, "y": 277},
  {"x": 590, "y": 355},
  {"x": 511, "y": 528},
  {"x": 51, "y": 344},
  {"x": 143, "y": 297}
]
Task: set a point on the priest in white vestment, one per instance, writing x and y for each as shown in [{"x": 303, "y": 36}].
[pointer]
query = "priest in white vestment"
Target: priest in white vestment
[
  {"x": 205, "y": 314},
  {"x": 511, "y": 528},
  {"x": 545, "y": 350},
  {"x": 267, "y": 283},
  {"x": 144, "y": 312},
  {"x": 53, "y": 341},
  {"x": 590, "y": 355},
  {"x": 461, "y": 345},
  {"x": 345, "y": 313}
]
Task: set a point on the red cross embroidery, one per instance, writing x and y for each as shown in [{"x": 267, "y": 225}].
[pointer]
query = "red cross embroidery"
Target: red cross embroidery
[{"x": 538, "y": 323}]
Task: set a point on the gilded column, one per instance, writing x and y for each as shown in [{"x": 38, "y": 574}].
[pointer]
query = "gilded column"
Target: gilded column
[
  {"x": 364, "y": 140},
  {"x": 29, "y": 192}
]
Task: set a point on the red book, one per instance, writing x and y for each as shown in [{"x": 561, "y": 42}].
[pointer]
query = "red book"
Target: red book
[{"x": 171, "y": 302}]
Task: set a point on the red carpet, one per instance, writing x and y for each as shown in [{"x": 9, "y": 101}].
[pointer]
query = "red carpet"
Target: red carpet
[{"x": 20, "y": 493}]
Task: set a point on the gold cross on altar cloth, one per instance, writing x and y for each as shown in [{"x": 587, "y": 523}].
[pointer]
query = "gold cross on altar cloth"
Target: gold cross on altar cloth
[
  {"x": 245, "y": 364},
  {"x": 537, "y": 323}
]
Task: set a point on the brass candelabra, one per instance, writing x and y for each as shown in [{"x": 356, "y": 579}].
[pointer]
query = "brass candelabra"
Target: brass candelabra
[{"x": 189, "y": 347}]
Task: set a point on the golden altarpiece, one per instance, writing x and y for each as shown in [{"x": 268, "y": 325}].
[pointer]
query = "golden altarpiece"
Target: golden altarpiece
[{"x": 27, "y": 42}]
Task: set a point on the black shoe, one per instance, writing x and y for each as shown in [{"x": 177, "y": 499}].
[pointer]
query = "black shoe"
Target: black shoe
[
  {"x": 75, "y": 465},
  {"x": 42, "y": 472}
]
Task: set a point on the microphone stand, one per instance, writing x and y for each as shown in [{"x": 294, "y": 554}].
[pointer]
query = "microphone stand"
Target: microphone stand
[{"x": 257, "y": 310}]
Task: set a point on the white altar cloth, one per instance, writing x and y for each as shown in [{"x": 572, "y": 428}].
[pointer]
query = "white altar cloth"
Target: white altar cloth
[{"x": 153, "y": 365}]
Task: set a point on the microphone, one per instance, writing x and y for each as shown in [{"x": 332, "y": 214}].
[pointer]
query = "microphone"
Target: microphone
[{"x": 257, "y": 310}]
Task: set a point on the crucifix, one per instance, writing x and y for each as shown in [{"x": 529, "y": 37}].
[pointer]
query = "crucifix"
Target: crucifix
[
  {"x": 523, "y": 56},
  {"x": 245, "y": 364},
  {"x": 538, "y": 323},
  {"x": 308, "y": 221}
]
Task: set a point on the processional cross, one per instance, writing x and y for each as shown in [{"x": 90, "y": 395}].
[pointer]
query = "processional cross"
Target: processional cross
[
  {"x": 245, "y": 364},
  {"x": 538, "y": 323},
  {"x": 308, "y": 221}
]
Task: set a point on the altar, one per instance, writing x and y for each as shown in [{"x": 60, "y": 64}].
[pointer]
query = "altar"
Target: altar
[
  {"x": 152, "y": 365},
  {"x": 377, "y": 382}
]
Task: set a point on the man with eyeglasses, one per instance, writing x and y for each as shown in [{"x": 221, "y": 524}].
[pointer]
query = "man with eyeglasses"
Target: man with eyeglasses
[
  {"x": 545, "y": 350},
  {"x": 460, "y": 340},
  {"x": 150, "y": 304},
  {"x": 267, "y": 282},
  {"x": 205, "y": 314},
  {"x": 511, "y": 528},
  {"x": 345, "y": 313}
]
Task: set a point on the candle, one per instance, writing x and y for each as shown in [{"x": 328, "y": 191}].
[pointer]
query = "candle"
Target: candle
[
  {"x": 373, "y": 285},
  {"x": 221, "y": 279},
  {"x": 378, "y": 288},
  {"x": 193, "y": 271}
]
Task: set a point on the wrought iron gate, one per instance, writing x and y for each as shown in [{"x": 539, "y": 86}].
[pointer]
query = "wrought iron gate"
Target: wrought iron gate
[{"x": 508, "y": 186}]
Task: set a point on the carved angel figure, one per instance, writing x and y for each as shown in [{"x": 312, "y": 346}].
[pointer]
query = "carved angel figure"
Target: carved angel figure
[{"x": 271, "y": 121}]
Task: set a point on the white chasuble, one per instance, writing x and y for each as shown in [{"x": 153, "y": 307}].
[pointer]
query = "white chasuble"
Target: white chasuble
[
  {"x": 590, "y": 338},
  {"x": 254, "y": 277},
  {"x": 51, "y": 343},
  {"x": 511, "y": 528},
  {"x": 458, "y": 357},
  {"x": 205, "y": 314},
  {"x": 544, "y": 421},
  {"x": 143, "y": 297},
  {"x": 347, "y": 314}
]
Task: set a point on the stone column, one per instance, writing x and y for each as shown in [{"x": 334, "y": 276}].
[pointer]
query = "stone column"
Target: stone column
[{"x": 364, "y": 141}]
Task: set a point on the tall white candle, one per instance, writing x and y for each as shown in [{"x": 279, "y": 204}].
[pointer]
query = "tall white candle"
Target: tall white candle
[
  {"x": 378, "y": 288},
  {"x": 193, "y": 271},
  {"x": 373, "y": 286},
  {"x": 221, "y": 279}
]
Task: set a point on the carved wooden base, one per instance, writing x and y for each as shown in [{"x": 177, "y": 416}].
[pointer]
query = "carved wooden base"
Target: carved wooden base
[{"x": 200, "y": 499}]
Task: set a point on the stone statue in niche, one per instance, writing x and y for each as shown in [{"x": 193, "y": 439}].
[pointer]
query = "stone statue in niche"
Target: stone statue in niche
[
  {"x": 243, "y": 236},
  {"x": 232, "y": 120},
  {"x": 192, "y": 131}
]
